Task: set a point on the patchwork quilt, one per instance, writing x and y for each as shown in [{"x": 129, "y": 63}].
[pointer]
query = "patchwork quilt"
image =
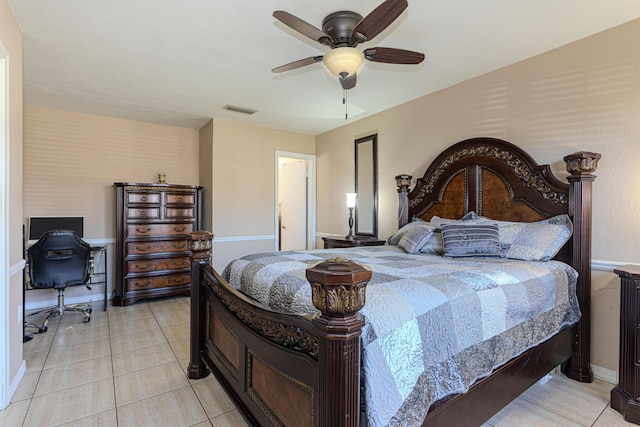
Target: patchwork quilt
[{"x": 433, "y": 325}]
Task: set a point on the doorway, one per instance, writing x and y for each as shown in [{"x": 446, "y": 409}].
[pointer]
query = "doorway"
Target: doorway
[{"x": 295, "y": 201}]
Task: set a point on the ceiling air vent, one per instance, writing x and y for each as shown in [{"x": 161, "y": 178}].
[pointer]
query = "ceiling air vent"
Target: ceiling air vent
[{"x": 242, "y": 110}]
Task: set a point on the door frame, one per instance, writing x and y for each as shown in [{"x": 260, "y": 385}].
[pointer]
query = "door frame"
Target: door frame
[
  {"x": 5, "y": 344},
  {"x": 311, "y": 198}
]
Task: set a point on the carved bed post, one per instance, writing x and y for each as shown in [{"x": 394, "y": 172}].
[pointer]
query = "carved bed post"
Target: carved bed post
[
  {"x": 200, "y": 246},
  {"x": 338, "y": 289},
  {"x": 403, "y": 182},
  {"x": 581, "y": 165}
]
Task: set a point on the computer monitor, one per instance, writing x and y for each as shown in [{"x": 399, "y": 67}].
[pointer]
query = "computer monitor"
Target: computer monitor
[{"x": 38, "y": 225}]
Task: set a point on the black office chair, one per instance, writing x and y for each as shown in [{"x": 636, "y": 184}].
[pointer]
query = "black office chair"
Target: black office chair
[{"x": 57, "y": 260}]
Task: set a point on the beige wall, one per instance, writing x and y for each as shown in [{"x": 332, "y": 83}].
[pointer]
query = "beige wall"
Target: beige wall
[
  {"x": 244, "y": 186},
  {"x": 205, "y": 158},
  {"x": 71, "y": 161},
  {"x": 583, "y": 96},
  {"x": 11, "y": 41}
]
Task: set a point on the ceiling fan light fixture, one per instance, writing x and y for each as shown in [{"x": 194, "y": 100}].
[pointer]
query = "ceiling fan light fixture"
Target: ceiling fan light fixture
[{"x": 343, "y": 60}]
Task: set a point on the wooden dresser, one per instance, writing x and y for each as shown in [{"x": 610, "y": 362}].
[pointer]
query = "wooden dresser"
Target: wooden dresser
[{"x": 152, "y": 250}]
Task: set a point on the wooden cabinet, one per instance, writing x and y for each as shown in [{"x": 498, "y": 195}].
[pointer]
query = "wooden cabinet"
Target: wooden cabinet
[
  {"x": 625, "y": 397},
  {"x": 330, "y": 243},
  {"x": 152, "y": 251}
]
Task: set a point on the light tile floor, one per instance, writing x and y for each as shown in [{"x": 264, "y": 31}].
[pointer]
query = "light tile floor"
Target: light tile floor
[{"x": 127, "y": 367}]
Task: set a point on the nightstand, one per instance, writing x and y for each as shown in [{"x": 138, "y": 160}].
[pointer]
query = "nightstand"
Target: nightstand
[
  {"x": 625, "y": 395},
  {"x": 330, "y": 243}
]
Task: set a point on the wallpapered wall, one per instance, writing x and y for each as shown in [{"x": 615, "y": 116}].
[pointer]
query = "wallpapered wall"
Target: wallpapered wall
[{"x": 583, "y": 96}]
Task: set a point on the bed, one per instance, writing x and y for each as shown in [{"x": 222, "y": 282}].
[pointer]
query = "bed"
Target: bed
[{"x": 306, "y": 369}]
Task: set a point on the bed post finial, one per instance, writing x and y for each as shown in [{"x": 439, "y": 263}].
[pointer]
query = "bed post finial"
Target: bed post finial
[
  {"x": 581, "y": 165},
  {"x": 338, "y": 288},
  {"x": 200, "y": 243},
  {"x": 403, "y": 182}
]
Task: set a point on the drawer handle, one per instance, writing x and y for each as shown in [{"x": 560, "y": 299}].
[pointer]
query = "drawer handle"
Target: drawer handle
[
  {"x": 143, "y": 267},
  {"x": 180, "y": 213},
  {"x": 179, "y": 199},
  {"x": 177, "y": 279},
  {"x": 179, "y": 246},
  {"x": 143, "y": 198},
  {"x": 179, "y": 230},
  {"x": 182, "y": 262},
  {"x": 142, "y": 285},
  {"x": 142, "y": 249},
  {"x": 143, "y": 213},
  {"x": 143, "y": 231}
]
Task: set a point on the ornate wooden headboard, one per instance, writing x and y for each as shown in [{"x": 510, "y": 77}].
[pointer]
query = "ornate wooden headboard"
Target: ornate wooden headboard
[{"x": 499, "y": 180}]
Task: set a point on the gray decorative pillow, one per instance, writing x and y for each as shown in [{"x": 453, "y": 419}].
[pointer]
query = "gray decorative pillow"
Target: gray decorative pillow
[
  {"x": 395, "y": 238},
  {"x": 536, "y": 241},
  {"x": 415, "y": 238},
  {"x": 471, "y": 215},
  {"x": 465, "y": 240},
  {"x": 434, "y": 245},
  {"x": 469, "y": 218}
]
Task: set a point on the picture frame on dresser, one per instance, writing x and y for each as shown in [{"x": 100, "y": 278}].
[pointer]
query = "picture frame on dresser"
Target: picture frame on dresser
[{"x": 153, "y": 222}]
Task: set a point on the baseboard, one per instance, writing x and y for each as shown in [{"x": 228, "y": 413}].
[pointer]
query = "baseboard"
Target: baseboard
[
  {"x": 15, "y": 382},
  {"x": 604, "y": 374}
]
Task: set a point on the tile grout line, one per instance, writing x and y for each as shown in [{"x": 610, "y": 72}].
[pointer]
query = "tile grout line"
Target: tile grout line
[
  {"x": 185, "y": 373},
  {"x": 113, "y": 372},
  {"x": 35, "y": 387}
]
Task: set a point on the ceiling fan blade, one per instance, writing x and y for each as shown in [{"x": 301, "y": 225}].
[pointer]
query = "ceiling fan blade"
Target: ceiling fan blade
[
  {"x": 297, "y": 64},
  {"x": 379, "y": 19},
  {"x": 302, "y": 27},
  {"x": 390, "y": 55},
  {"x": 348, "y": 82}
]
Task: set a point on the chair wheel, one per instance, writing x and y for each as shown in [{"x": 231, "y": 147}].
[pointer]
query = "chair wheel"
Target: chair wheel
[
  {"x": 89, "y": 310},
  {"x": 43, "y": 329},
  {"x": 86, "y": 319}
]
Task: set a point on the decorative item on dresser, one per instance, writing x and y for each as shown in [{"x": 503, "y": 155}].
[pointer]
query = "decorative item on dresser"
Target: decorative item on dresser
[
  {"x": 330, "y": 242},
  {"x": 625, "y": 395},
  {"x": 153, "y": 222}
]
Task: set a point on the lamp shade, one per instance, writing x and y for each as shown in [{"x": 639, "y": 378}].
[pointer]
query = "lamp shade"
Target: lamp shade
[
  {"x": 351, "y": 200},
  {"x": 343, "y": 61}
]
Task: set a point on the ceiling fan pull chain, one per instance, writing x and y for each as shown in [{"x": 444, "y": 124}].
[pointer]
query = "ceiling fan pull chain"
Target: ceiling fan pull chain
[{"x": 344, "y": 101}]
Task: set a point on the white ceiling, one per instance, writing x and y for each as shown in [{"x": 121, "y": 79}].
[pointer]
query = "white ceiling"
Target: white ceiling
[{"x": 179, "y": 62}]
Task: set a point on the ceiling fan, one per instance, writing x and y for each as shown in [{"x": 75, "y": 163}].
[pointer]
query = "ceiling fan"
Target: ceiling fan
[{"x": 342, "y": 32}]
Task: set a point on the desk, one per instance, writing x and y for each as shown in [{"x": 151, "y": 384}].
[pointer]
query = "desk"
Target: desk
[{"x": 102, "y": 279}]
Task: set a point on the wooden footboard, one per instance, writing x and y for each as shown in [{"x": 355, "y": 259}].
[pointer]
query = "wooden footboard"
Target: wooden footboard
[{"x": 271, "y": 362}]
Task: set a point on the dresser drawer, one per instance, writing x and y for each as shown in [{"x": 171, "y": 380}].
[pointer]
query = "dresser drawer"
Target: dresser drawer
[
  {"x": 143, "y": 248},
  {"x": 142, "y": 230},
  {"x": 148, "y": 265},
  {"x": 136, "y": 213},
  {"x": 143, "y": 197},
  {"x": 180, "y": 213},
  {"x": 181, "y": 198},
  {"x": 158, "y": 282}
]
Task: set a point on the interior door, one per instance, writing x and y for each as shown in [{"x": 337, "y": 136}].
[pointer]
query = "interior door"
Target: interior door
[{"x": 292, "y": 190}]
